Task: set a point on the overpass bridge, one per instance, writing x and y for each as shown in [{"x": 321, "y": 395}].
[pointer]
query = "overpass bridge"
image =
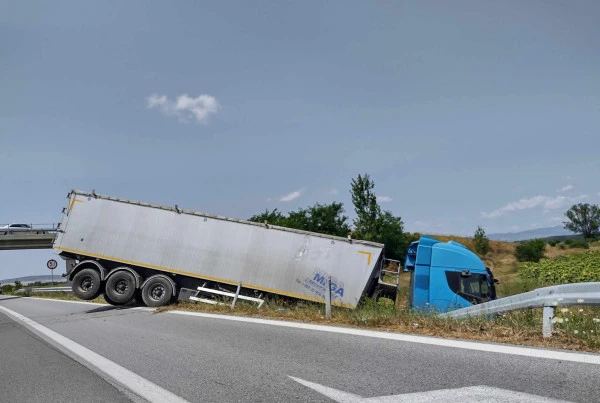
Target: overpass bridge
[{"x": 26, "y": 240}]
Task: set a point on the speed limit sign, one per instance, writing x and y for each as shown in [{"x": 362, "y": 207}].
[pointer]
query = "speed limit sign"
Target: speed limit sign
[{"x": 52, "y": 264}]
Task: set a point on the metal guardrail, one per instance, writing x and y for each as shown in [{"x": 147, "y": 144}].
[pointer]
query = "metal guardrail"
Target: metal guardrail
[
  {"x": 33, "y": 228},
  {"x": 547, "y": 298}
]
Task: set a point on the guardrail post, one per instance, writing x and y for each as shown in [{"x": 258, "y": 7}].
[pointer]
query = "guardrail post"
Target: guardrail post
[
  {"x": 547, "y": 321},
  {"x": 328, "y": 297},
  {"x": 237, "y": 293}
]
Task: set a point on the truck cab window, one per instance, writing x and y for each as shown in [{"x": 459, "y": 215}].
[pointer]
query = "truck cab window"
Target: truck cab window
[{"x": 473, "y": 288}]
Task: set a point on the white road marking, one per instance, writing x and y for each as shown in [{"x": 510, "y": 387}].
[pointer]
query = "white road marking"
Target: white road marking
[
  {"x": 585, "y": 358},
  {"x": 130, "y": 380},
  {"x": 468, "y": 394}
]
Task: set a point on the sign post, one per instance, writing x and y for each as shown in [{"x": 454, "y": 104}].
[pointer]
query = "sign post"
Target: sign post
[{"x": 52, "y": 264}]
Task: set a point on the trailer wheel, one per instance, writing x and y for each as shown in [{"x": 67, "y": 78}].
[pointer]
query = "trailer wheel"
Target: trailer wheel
[
  {"x": 120, "y": 287},
  {"x": 157, "y": 291},
  {"x": 87, "y": 284},
  {"x": 108, "y": 300}
]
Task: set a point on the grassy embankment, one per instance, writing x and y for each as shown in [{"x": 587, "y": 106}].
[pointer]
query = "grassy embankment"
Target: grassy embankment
[{"x": 575, "y": 328}]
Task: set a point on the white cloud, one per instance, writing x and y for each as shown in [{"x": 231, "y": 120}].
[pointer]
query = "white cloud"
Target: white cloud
[
  {"x": 565, "y": 188},
  {"x": 291, "y": 196},
  {"x": 555, "y": 219},
  {"x": 384, "y": 199},
  {"x": 185, "y": 108},
  {"x": 333, "y": 192},
  {"x": 545, "y": 202},
  {"x": 269, "y": 200}
]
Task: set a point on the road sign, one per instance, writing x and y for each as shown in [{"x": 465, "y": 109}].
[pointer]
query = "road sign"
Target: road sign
[{"x": 52, "y": 264}]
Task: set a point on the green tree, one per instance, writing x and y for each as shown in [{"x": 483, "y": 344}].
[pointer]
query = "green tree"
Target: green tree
[
  {"x": 390, "y": 232},
  {"x": 530, "y": 251},
  {"x": 584, "y": 219},
  {"x": 18, "y": 284},
  {"x": 271, "y": 217},
  {"x": 366, "y": 207},
  {"x": 481, "y": 241},
  {"x": 373, "y": 224},
  {"x": 322, "y": 218}
]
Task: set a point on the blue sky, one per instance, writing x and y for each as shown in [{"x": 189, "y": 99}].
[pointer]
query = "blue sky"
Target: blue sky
[{"x": 464, "y": 113}]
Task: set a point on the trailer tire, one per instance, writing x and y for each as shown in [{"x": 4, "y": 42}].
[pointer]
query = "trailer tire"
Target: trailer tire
[
  {"x": 120, "y": 287},
  {"x": 157, "y": 291},
  {"x": 108, "y": 300},
  {"x": 87, "y": 284}
]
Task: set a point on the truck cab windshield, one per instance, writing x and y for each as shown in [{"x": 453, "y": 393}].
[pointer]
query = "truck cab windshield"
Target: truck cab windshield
[{"x": 472, "y": 287}]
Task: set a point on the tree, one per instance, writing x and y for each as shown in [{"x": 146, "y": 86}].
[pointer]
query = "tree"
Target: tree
[
  {"x": 390, "y": 232},
  {"x": 271, "y": 217},
  {"x": 481, "y": 241},
  {"x": 530, "y": 251},
  {"x": 371, "y": 224},
  {"x": 18, "y": 284},
  {"x": 366, "y": 207},
  {"x": 583, "y": 218},
  {"x": 322, "y": 218}
]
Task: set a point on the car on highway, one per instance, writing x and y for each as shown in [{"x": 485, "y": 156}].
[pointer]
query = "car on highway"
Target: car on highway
[{"x": 6, "y": 229}]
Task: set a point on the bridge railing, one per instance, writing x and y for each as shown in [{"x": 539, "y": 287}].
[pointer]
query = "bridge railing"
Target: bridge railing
[
  {"x": 547, "y": 298},
  {"x": 33, "y": 228}
]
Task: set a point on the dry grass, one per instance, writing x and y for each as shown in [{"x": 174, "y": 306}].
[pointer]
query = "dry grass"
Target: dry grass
[{"x": 519, "y": 328}]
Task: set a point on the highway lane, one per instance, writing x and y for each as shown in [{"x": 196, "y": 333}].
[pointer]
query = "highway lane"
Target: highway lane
[
  {"x": 209, "y": 359},
  {"x": 33, "y": 371}
]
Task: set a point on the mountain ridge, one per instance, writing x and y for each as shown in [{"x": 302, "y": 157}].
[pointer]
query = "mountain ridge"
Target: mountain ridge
[{"x": 544, "y": 232}]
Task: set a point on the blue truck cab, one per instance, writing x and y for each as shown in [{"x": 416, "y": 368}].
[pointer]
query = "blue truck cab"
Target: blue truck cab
[{"x": 446, "y": 276}]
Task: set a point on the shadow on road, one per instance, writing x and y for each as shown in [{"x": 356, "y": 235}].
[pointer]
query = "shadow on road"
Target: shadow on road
[
  {"x": 109, "y": 308},
  {"x": 7, "y": 298}
]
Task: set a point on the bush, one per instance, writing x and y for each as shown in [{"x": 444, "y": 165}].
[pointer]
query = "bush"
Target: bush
[
  {"x": 7, "y": 289},
  {"x": 481, "y": 241},
  {"x": 579, "y": 243},
  {"x": 530, "y": 251},
  {"x": 553, "y": 243}
]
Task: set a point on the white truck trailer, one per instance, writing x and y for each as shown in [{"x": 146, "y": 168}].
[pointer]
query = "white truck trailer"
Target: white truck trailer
[{"x": 129, "y": 250}]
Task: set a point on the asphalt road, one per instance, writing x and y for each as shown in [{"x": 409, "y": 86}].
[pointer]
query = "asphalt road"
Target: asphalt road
[
  {"x": 212, "y": 359},
  {"x": 33, "y": 371}
]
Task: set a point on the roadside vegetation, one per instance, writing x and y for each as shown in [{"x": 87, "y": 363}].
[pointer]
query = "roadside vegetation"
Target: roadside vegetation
[{"x": 519, "y": 267}]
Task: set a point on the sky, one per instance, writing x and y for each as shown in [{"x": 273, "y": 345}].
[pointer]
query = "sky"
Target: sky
[{"x": 464, "y": 113}]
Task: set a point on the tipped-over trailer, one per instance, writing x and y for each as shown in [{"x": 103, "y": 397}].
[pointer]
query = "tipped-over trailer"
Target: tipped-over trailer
[{"x": 129, "y": 250}]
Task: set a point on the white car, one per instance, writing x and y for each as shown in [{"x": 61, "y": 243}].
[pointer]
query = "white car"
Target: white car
[{"x": 6, "y": 229}]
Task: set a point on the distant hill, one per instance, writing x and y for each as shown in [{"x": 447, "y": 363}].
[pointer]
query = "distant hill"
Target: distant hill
[
  {"x": 547, "y": 232},
  {"x": 32, "y": 279}
]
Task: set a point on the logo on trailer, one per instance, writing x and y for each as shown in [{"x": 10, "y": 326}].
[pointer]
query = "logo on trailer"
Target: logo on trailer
[{"x": 318, "y": 282}]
